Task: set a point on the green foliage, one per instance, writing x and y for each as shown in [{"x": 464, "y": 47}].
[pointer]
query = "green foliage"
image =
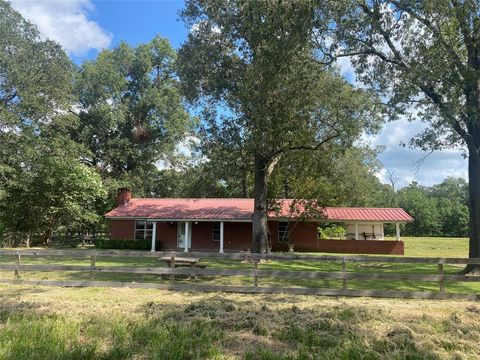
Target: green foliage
[
  {"x": 52, "y": 192},
  {"x": 415, "y": 200},
  {"x": 43, "y": 183},
  {"x": 423, "y": 58},
  {"x": 36, "y": 75},
  {"x": 253, "y": 69},
  {"x": 332, "y": 231},
  {"x": 102, "y": 243},
  {"x": 36, "y": 79},
  {"x": 131, "y": 113},
  {"x": 337, "y": 177},
  {"x": 439, "y": 210}
]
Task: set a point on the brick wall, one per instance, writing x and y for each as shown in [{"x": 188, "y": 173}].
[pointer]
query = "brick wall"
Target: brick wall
[
  {"x": 202, "y": 237},
  {"x": 238, "y": 235},
  {"x": 362, "y": 246},
  {"x": 122, "y": 229},
  {"x": 166, "y": 235},
  {"x": 302, "y": 234}
]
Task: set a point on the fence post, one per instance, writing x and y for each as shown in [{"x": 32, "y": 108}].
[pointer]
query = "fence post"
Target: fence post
[
  {"x": 344, "y": 271},
  {"x": 17, "y": 262},
  {"x": 441, "y": 282},
  {"x": 193, "y": 276},
  {"x": 93, "y": 260},
  {"x": 255, "y": 277},
  {"x": 172, "y": 265}
]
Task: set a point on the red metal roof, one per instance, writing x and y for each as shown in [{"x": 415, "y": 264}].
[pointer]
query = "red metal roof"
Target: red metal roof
[
  {"x": 201, "y": 209},
  {"x": 242, "y": 209},
  {"x": 368, "y": 214}
]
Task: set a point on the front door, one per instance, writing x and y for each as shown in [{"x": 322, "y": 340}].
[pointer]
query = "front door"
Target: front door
[{"x": 183, "y": 235}]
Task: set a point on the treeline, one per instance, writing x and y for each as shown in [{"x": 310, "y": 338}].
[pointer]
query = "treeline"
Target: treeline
[
  {"x": 439, "y": 210},
  {"x": 71, "y": 135}
]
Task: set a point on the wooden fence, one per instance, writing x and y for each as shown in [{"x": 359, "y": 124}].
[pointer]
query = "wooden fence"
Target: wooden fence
[{"x": 255, "y": 273}]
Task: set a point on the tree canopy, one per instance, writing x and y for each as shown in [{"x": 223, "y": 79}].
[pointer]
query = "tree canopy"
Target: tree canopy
[
  {"x": 253, "y": 68},
  {"x": 251, "y": 105},
  {"x": 420, "y": 55},
  {"x": 130, "y": 112},
  {"x": 43, "y": 184}
]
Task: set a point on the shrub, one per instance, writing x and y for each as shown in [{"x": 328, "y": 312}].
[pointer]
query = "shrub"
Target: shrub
[
  {"x": 104, "y": 243},
  {"x": 332, "y": 232}
]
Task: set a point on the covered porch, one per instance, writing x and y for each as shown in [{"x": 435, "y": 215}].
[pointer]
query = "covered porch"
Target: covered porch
[
  {"x": 364, "y": 237},
  {"x": 195, "y": 235}
]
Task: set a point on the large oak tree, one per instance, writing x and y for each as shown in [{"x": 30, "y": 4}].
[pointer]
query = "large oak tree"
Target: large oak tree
[
  {"x": 422, "y": 56},
  {"x": 43, "y": 183},
  {"x": 253, "y": 63},
  {"x": 130, "y": 112}
]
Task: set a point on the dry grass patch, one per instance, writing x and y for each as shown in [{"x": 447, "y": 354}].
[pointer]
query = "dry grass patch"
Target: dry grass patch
[{"x": 97, "y": 323}]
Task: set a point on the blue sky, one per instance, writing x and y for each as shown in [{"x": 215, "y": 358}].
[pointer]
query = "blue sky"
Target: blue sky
[
  {"x": 85, "y": 27},
  {"x": 139, "y": 21}
]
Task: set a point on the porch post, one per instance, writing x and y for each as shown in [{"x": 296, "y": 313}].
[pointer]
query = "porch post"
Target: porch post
[
  {"x": 154, "y": 235},
  {"x": 186, "y": 237},
  {"x": 356, "y": 231},
  {"x": 397, "y": 228},
  {"x": 221, "y": 237}
]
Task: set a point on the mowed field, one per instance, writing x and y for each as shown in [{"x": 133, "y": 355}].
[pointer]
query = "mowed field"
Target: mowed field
[
  {"x": 102, "y": 323},
  {"x": 423, "y": 247},
  {"x": 436, "y": 246}
]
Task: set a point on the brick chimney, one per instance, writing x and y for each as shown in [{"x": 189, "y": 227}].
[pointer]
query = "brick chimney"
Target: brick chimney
[{"x": 123, "y": 196}]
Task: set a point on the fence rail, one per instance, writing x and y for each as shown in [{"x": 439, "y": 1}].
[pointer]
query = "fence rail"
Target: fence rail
[{"x": 255, "y": 273}]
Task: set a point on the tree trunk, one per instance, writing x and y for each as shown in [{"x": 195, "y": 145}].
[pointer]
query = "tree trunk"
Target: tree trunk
[
  {"x": 244, "y": 183},
  {"x": 260, "y": 221},
  {"x": 47, "y": 238},
  {"x": 474, "y": 206}
]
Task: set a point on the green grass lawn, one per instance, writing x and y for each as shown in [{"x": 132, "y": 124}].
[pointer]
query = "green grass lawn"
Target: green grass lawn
[
  {"x": 92, "y": 323},
  {"x": 120, "y": 323},
  {"x": 436, "y": 246},
  {"x": 432, "y": 247}
]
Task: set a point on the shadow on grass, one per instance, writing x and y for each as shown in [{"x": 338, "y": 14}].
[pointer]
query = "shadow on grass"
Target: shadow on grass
[
  {"x": 209, "y": 328},
  {"x": 326, "y": 266}
]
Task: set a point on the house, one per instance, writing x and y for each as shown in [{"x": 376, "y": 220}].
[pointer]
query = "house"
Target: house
[{"x": 226, "y": 225}]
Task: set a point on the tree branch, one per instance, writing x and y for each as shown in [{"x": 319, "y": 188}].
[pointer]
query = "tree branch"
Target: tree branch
[
  {"x": 73, "y": 112},
  {"x": 437, "y": 99},
  {"x": 314, "y": 147},
  {"x": 430, "y": 26},
  {"x": 466, "y": 33},
  {"x": 7, "y": 99},
  {"x": 372, "y": 15},
  {"x": 369, "y": 51}
]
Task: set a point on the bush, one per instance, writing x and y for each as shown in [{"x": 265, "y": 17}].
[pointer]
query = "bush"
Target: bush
[
  {"x": 103, "y": 243},
  {"x": 332, "y": 232}
]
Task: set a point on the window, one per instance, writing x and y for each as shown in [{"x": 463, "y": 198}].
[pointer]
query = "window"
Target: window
[
  {"x": 143, "y": 230},
  {"x": 283, "y": 232},
  {"x": 216, "y": 232}
]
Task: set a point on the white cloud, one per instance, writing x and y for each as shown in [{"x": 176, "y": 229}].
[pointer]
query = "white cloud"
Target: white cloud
[
  {"x": 66, "y": 22},
  {"x": 347, "y": 70},
  {"x": 198, "y": 25},
  {"x": 412, "y": 164},
  {"x": 185, "y": 154}
]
